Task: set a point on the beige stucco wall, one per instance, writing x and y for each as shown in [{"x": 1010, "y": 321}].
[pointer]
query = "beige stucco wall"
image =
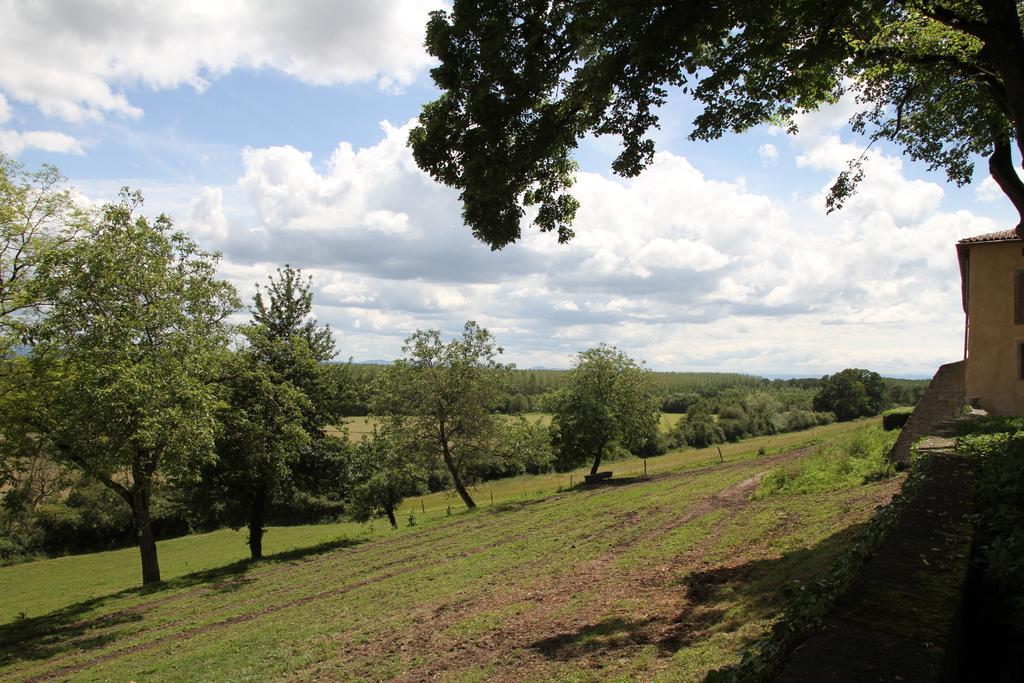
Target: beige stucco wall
[{"x": 992, "y": 345}]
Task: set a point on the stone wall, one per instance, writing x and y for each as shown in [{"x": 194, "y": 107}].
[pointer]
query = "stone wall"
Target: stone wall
[{"x": 940, "y": 406}]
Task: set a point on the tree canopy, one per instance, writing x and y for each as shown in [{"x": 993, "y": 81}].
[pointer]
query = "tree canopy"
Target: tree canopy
[
  {"x": 123, "y": 359},
  {"x": 851, "y": 393},
  {"x": 608, "y": 400},
  {"x": 523, "y": 81},
  {"x": 280, "y": 401},
  {"x": 444, "y": 396},
  {"x": 385, "y": 470},
  {"x": 37, "y": 216}
]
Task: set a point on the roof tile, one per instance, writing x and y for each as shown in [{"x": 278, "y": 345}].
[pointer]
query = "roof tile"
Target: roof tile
[{"x": 1001, "y": 236}]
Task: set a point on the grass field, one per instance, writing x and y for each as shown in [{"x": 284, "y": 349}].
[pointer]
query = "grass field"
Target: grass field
[{"x": 661, "y": 578}]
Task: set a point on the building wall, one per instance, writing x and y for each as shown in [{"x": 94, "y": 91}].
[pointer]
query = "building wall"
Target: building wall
[{"x": 993, "y": 358}]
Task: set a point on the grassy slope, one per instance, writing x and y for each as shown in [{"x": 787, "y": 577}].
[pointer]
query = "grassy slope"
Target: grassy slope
[
  {"x": 663, "y": 578},
  {"x": 36, "y": 588}
]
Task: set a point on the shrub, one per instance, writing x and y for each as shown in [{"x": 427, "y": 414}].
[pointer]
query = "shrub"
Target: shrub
[
  {"x": 991, "y": 425},
  {"x": 89, "y": 518},
  {"x": 1000, "y": 487},
  {"x": 896, "y": 418},
  {"x": 679, "y": 402},
  {"x": 795, "y": 420},
  {"x": 733, "y": 429},
  {"x": 657, "y": 443}
]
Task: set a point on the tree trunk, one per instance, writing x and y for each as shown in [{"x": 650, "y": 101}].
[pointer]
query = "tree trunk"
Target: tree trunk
[
  {"x": 450, "y": 464},
  {"x": 1000, "y": 165},
  {"x": 391, "y": 518},
  {"x": 257, "y": 516},
  {"x": 597, "y": 459},
  {"x": 144, "y": 533}
]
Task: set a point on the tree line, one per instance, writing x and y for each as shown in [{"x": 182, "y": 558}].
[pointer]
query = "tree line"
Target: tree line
[
  {"x": 140, "y": 398},
  {"x": 530, "y": 390}
]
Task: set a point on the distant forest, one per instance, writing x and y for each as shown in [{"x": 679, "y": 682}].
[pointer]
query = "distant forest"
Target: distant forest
[{"x": 678, "y": 391}]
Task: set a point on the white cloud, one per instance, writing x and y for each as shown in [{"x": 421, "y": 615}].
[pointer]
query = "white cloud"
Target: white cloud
[
  {"x": 676, "y": 268},
  {"x": 5, "y": 109},
  {"x": 14, "y": 142},
  {"x": 206, "y": 218},
  {"x": 885, "y": 193},
  {"x": 988, "y": 191},
  {"x": 769, "y": 153},
  {"x": 827, "y": 119},
  {"x": 74, "y": 60}
]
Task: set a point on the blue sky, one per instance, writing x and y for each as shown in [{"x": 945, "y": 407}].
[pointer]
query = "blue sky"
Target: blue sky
[{"x": 275, "y": 133}]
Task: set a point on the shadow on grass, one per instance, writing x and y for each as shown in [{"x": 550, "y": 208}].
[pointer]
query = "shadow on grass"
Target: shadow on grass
[
  {"x": 69, "y": 630},
  {"x": 614, "y": 481},
  {"x": 717, "y": 600}
]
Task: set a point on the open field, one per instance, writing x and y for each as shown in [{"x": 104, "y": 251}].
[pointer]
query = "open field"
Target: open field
[
  {"x": 35, "y": 588},
  {"x": 668, "y": 577}
]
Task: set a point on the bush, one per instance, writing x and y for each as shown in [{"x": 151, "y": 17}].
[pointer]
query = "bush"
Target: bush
[
  {"x": 657, "y": 443},
  {"x": 896, "y": 418},
  {"x": 991, "y": 425},
  {"x": 679, "y": 403},
  {"x": 700, "y": 430},
  {"x": 303, "y": 507},
  {"x": 15, "y": 549},
  {"x": 1000, "y": 487},
  {"x": 90, "y": 518},
  {"x": 733, "y": 429},
  {"x": 795, "y": 420}
]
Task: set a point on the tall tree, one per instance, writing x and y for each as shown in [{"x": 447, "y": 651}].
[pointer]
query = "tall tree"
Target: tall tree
[
  {"x": 851, "y": 393},
  {"x": 280, "y": 402},
  {"x": 444, "y": 395},
  {"x": 608, "y": 400},
  {"x": 522, "y": 82},
  {"x": 124, "y": 359},
  {"x": 263, "y": 434},
  {"x": 284, "y": 312}
]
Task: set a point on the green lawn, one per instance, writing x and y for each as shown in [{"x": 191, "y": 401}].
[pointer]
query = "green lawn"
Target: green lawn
[{"x": 659, "y": 579}]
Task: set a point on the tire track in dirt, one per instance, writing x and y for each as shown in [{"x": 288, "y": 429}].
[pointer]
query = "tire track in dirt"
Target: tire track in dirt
[
  {"x": 249, "y": 616},
  {"x": 668, "y": 620},
  {"x": 538, "y": 623},
  {"x": 724, "y": 498},
  {"x": 413, "y": 541}
]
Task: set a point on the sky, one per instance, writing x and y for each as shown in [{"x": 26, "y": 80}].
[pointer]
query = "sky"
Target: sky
[{"x": 276, "y": 133}]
